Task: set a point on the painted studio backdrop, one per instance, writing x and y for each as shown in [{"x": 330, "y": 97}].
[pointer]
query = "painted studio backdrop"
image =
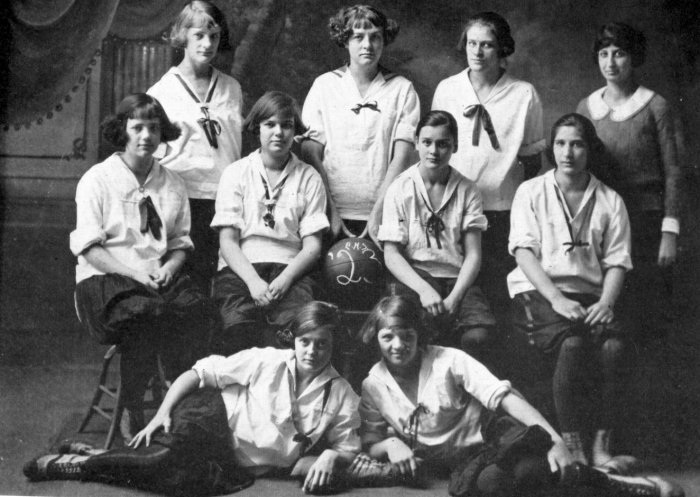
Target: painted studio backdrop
[{"x": 67, "y": 62}]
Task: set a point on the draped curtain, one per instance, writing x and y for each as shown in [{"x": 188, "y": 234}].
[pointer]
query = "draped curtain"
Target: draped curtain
[{"x": 53, "y": 45}]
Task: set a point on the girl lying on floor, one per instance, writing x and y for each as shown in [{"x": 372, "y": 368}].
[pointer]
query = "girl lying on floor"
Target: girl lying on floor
[{"x": 260, "y": 411}]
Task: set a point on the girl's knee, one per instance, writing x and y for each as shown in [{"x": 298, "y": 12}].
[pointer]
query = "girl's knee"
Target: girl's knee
[
  {"x": 613, "y": 347},
  {"x": 495, "y": 482},
  {"x": 476, "y": 338},
  {"x": 531, "y": 473},
  {"x": 572, "y": 344}
]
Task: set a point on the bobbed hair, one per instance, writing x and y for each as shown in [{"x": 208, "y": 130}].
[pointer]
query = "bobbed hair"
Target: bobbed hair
[
  {"x": 270, "y": 104},
  {"x": 436, "y": 118},
  {"x": 407, "y": 311},
  {"x": 595, "y": 147},
  {"x": 313, "y": 316},
  {"x": 498, "y": 25},
  {"x": 342, "y": 24},
  {"x": 621, "y": 35},
  {"x": 197, "y": 14},
  {"x": 137, "y": 106}
]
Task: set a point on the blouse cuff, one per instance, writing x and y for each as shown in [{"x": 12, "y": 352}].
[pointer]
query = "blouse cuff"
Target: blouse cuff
[
  {"x": 621, "y": 260},
  {"x": 532, "y": 148},
  {"x": 405, "y": 132},
  {"x": 80, "y": 241},
  {"x": 313, "y": 224},
  {"x": 180, "y": 243},
  {"x": 227, "y": 220},
  {"x": 497, "y": 396},
  {"x": 671, "y": 225},
  {"x": 526, "y": 244},
  {"x": 474, "y": 222},
  {"x": 392, "y": 234},
  {"x": 315, "y": 135}
]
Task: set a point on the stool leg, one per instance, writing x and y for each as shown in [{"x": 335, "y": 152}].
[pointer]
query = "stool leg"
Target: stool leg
[
  {"x": 116, "y": 418},
  {"x": 94, "y": 405}
]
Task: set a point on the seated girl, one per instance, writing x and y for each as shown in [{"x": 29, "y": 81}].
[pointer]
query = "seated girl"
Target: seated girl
[
  {"x": 570, "y": 236},
  {"x": 425, "y": 405},
  {"x": 131, "y": 240},
  {"x": 431, "y": 229},
  {"x": 270, "y": 212},
  {"x": 258, "y": 411}
]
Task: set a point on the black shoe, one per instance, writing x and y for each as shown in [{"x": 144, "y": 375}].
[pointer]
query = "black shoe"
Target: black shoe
[{"x": 55, "y": 467}]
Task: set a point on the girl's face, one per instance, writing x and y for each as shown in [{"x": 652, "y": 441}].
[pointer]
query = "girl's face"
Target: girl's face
[
  {"x": 399, "y": 346},
  {"x": 277, "y": 135},
  {"x": 312, "y": 351},
  {"x": 365, "y": 47},
  {"x": 615, "y": 64},
  {"x": 570, "y": 151},
  {"x": 435, "y": 147},
  {"x": 202, "y": 44},
  {"x": 143, "y": 137},
  {"x": 482, "y": 49}
]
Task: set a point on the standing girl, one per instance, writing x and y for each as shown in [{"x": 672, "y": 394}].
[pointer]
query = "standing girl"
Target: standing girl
[
  {"x": 501, "y": 135},
  {"x": 431, "y": 231},
  {"x": 270, "y": 213},
  {"x": 207, "y": 105},
  {"x": 642, "y": 135},
  {"x": 131, "y": 240},
  {"x": 425, "y": 405},
  {"x": 262, "y": 410},
  {"x": 570, "y": 236},
  {"x": 361, "y": 120}
]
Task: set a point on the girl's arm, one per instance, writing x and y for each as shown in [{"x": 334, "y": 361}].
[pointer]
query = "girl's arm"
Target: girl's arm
[
  {"x": 99, "y": 258},
  {"x": 530, "y": 265},
  {"x": 402, "y": 158},
  {"x": 602, "y": 311},
  {"x": 322, "y": 468},
  {"x": 297, "y": 267},
  {"x": 469, "y": 270},
  {"x": 174, "y": 260},
  {"x": 559, "y": 456},
  {"x": 229, "y": 243},
  {"x": 312, "y": 153},
  {"x": 398, "y": 265},
  {"x": 184, "y": 384}
]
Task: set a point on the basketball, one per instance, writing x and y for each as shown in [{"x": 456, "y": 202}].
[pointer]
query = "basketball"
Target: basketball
[{"x": 353, "y": 273}]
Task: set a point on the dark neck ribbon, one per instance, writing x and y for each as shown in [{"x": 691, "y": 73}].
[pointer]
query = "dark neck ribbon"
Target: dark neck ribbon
[
  {"x": 481, "y": 118},
  {"x": 369, "y": 105},
  {"x": 149, "y": 218},
  {"x": 210, "y": 126}
]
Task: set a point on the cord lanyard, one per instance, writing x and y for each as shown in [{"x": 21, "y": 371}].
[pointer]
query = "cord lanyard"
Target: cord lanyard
[
  {"x": 575, "y": 241},
  {"x": 210, "y": 126},
  {"x": 303, "y": 438}
]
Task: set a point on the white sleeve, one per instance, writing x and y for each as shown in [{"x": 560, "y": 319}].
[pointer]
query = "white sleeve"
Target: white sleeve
[
  {"x": 312, "y": 115},
  {"x": 229, "y": 199},
  {"x": 477, "y": 380},
  {"x": 394, "y": 223},
  {"x": 89, "y": 228},
  {"x": 219, "y": 371},
  {"x": 525, "y": 231}
]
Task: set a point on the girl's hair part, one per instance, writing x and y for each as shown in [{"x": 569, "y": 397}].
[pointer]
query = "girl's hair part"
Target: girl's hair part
[
  {"x": 312, "y": 316},
  {"x": 436, "y": 118},
  {"x": 196, "y": 14},
  {"x": 595, "y": 147},
  {"x": 621, "y": 35},
  {"x": 137, "y": 106},
  {"x": 270, "y": 104},
  {"x": 406, "y": 310},
  {"x": 342, "y": 24},
  {"x": 498, "y": 25}
]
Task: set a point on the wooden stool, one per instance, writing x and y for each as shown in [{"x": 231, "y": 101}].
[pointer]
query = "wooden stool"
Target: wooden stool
[{"x": 113, "y": 395}]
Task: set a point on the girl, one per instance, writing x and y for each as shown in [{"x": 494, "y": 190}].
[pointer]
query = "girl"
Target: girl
[
  {"x": 571, "y": 240},
  {"x": 261, "y": 410},
  {"x": 361, "y": 121},
  {"x": 207, "y": 105},
  {"x": 501, "y": 135},
  {"x": 432, "y": 399},
  {"x": 270, "y": 212},
  {"x": 131, "y": 240},
  {"x": 431, "y": 229},
  {"x": 643, "y": 137}
]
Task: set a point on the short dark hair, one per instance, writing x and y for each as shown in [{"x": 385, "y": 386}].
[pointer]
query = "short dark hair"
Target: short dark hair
[
  {"x": 270, "y": 104},
  {"x": 436, "y": 118},
  {"x": 137, "y": 106},
  {"x": 312, "y": 316},
  {"x": 596, "y": 148},
  {"x": 406, "y": 310},
  {"x": 196, "y": 14},
  {"x": 342, "y": 24},
  {"x": 622, "y": 35},
  {"x": 497, "y": 24}
]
